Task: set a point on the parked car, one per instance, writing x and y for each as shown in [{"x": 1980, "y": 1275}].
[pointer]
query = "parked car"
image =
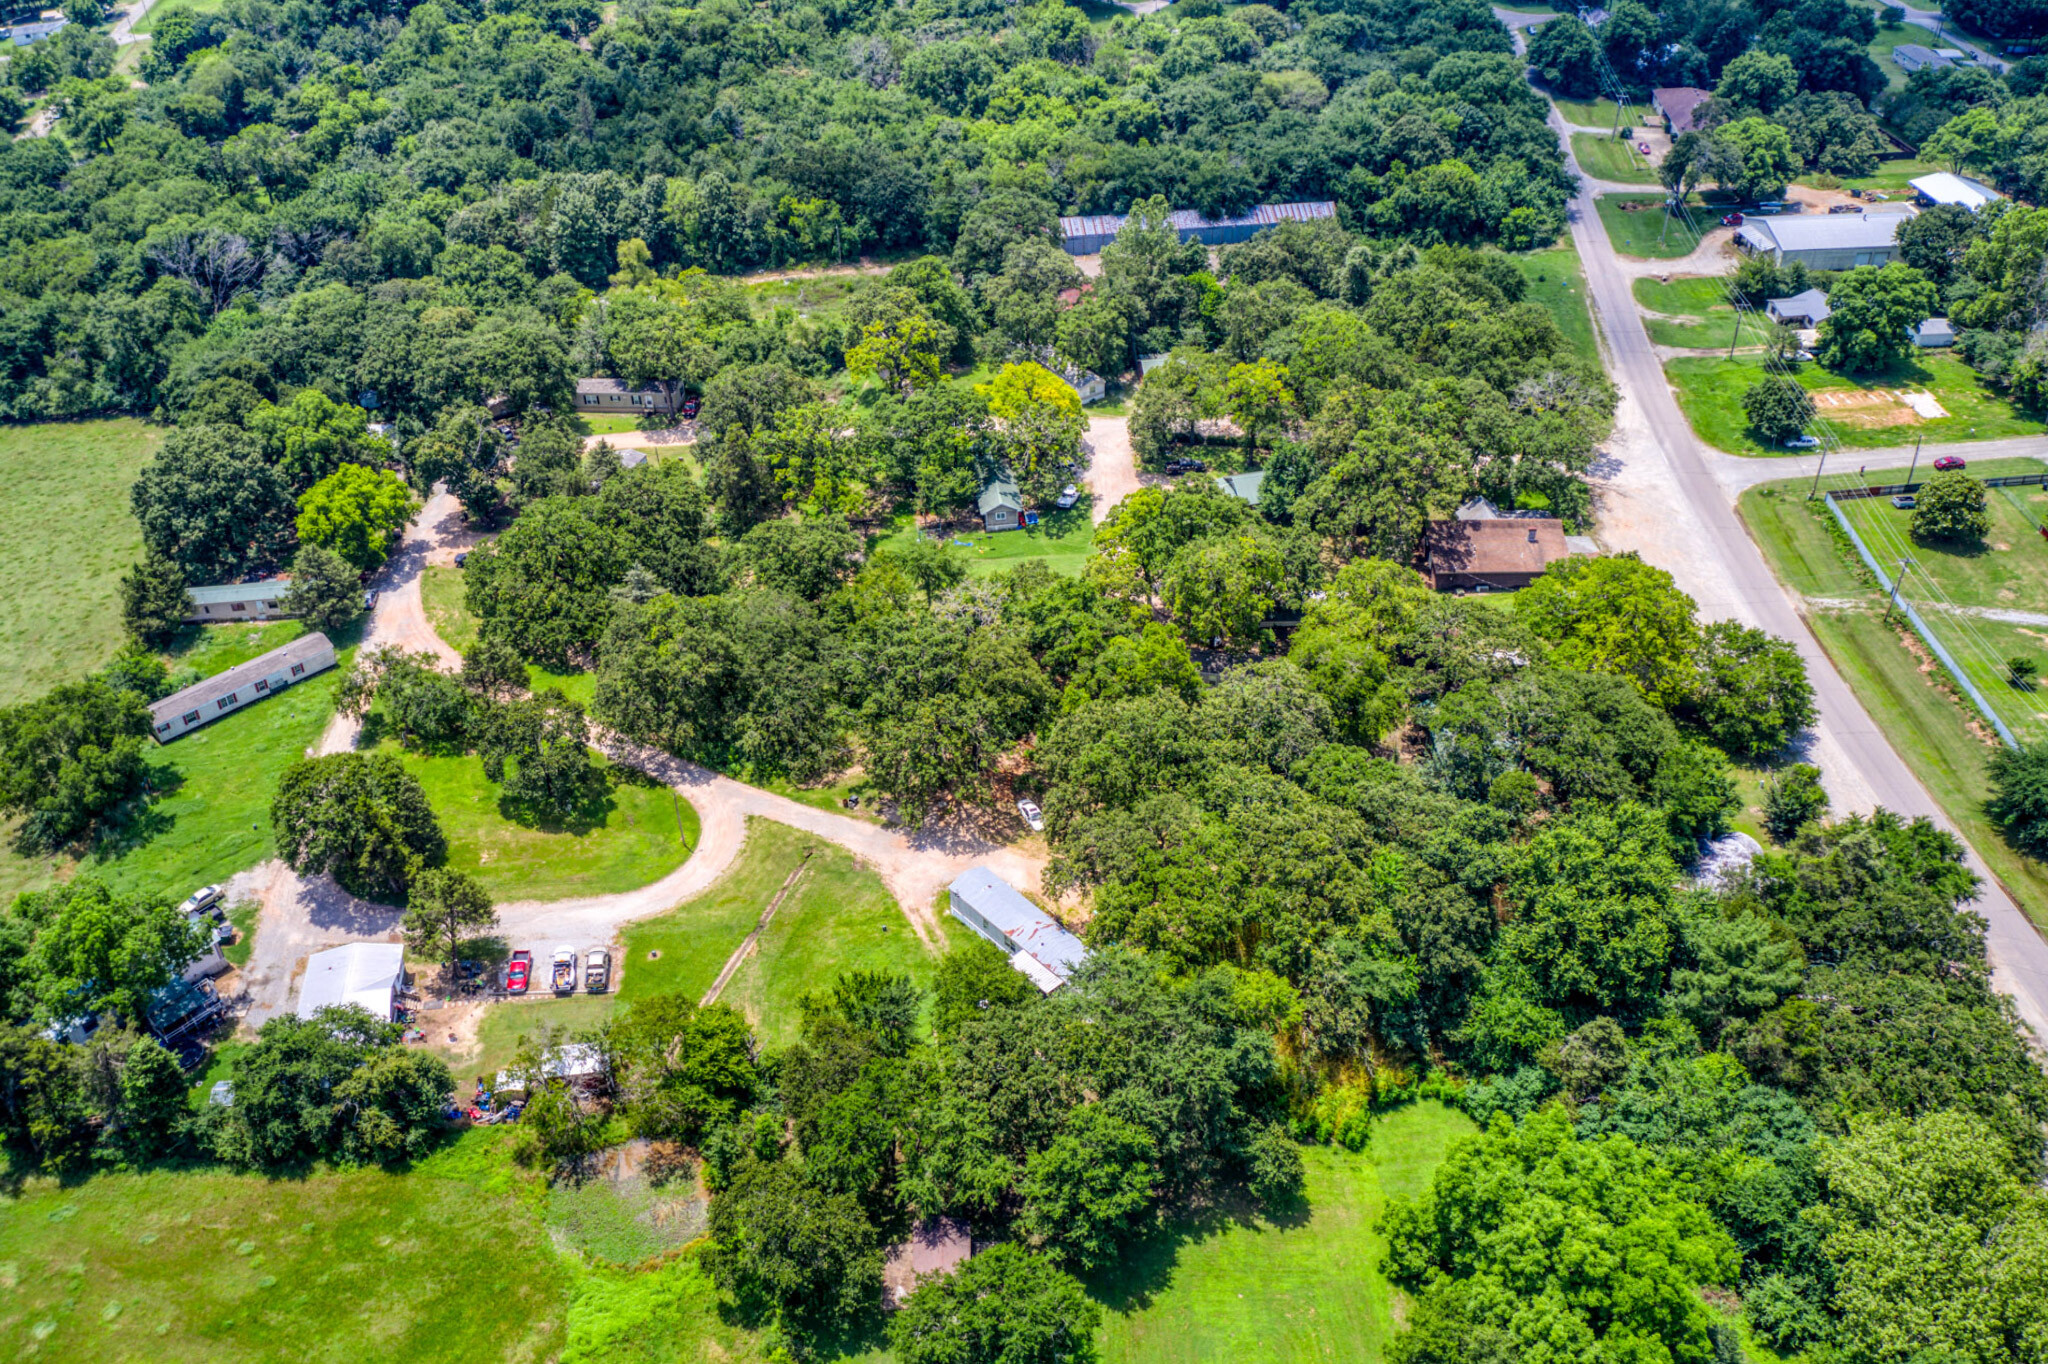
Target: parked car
[
  {"x": 1732, "y": 220},
  {"x": 462, "y": 558},
  {"x": 1069, "y": 495},
  {"x": 597, "y": 971},
  {"x": 519, "y": 972},
  {"x": 1905, "y": 501},
  {"x": 1642, "y": 148},
  {"x": 202, "y": 899},
  {"x": 1176, "y": 466},
  {"x": 1033, "y": 816},
  {"x": 1948, "y": 462},
  {"x": 689, "y": 409},
  {"x": 1802, "y": 442},
  {"x": 565, "y": 971},
  {"x": 370, "y": 600}
]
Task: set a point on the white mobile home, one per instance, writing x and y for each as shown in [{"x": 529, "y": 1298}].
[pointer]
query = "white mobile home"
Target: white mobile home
[
  {"x": 238, "y": 601},
  {"x": 244, "y": 684},
  {"x": 1046, "y": 953}
]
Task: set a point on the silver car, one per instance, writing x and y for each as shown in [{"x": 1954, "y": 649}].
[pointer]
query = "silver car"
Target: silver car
[{"x": 1033, "y": 816}]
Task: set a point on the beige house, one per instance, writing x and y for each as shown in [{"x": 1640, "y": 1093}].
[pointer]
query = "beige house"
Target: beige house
[
  {"x": 242, "y": 685},
  {"x": 617, "y": 397},
  {"x": 238, "y": 601}
]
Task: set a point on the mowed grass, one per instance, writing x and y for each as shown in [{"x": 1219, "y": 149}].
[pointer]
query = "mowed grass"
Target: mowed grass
[
  {"x": 1062, "y": 539},
  {"x": 1892, "y": 177},
  {"x": 440, "y": 1263},
  {"x": 1864, "y": 410},
  {"x": 1305, "y": 1290},
  {"x": 1703, "y": 301},
  {"x": 1937, "y": 736},
  {"x": 66, "y": 536},
  {"x": 441, "y": 596},
  {"x": 838, "y": 917},
  {"x": 1612, "y": 158},
  {"x": 1637, "y": 226},
  {"x": 1590, "y": 113},
  {"x": 148, "y": 22},
  {"x": 638, "y": 833},
  {"x": 1558, "y": 284}
]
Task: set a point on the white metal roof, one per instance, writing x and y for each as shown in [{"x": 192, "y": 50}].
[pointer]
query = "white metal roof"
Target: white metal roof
[
  {"x": 1829, "y": 232},
  {"x": 222, "y": 593},
  {"x": 1946, "y": 188},
  {"x": 365, "y": 973},
  {"x": 1052, "y": 951}
]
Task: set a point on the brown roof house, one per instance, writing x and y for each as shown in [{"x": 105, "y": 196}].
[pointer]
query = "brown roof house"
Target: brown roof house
[
  {"x": 937, "y": 1246},
  {"x": 1680, "y": 106},
  {"x": 1491, "y": 554}
]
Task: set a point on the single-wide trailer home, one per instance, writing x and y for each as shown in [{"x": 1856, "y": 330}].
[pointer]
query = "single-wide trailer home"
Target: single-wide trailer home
[{"x": 244, "y": 684}]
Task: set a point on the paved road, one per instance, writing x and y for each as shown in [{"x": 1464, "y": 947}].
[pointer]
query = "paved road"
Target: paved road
[
  {"x": 122, "y": 31},
  {"x": 1931, "y": 20},
  {"x": 1661, "y": 493}
]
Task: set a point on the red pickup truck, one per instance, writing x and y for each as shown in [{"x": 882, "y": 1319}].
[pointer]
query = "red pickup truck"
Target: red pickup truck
[{"x": 519, "y": 972}]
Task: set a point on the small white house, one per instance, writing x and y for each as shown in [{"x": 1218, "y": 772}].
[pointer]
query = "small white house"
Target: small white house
[
  {"x": 368, "y": 974},
  {"x": 1000, "y": 504},
  {"x": 244, "y": 684},
  {"x": 1038, "y": 947},
  {"x": 1934, "y": 333},
  {"x": 230, "y": 602}
]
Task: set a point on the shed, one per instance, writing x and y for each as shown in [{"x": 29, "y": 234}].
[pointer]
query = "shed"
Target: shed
[
  {"x": 1945, "y": 187},
  {"x": 21, "y": 35},
  {"x": 1913, "y": 57},
  {"x": 632, "y": 459},
  {"x": 363, "y": 973},
  {"x": 1807, "y": 308},
  {"x": 238, "y": 601},
  {"x": 1836, "y": 241},
  {"x": 1086, "y": 236},
  {"x": 1148, "y": 363},
  {"x": 618, "y": 396},
  {"x": 1680, "y": 105},
  {"x": 1001, "y": 506},
  {"x": 1934, "y": 333},
  {"x": 1491, "y": 555},
  {"x": 1088, "y": 386},
  {"x": 1244, "y": 487},
  {"x": 937, "y": 1246},
  {"x": 1038, "y": 946},
  {"x": 1723, "y": 857},
  {"x": 244, "y": 684}
]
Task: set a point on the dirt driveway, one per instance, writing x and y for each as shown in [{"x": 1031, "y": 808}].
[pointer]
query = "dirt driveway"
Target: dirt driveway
[{"x": 1112, "y": 468}]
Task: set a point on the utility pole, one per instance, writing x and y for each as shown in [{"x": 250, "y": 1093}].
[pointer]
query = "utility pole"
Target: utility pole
[
  {"x": 1897, "y": 583},
  {"x": 1916, "y": 459},
  {"x": 1738, "y": 332},
  {"x": 1816, "y": 474}
]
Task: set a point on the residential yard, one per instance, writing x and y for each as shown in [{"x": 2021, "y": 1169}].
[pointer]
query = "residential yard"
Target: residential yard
[
  {"x": 148, "y": 22},
  {"x": 638, "y": 833},
  {"x": 1636, "y": 226},
  {"x": 617, "y": 424},
  {"x": 1061, "y": 538},
  {"x": 1892, "y": 176},
  {"x": 441, "y": 593},
  {"x": 1865, "y": 411},
  {"x": 1605, "y": 157},
  {"x": 1295, "y": 1290},
  {"x": 1915, "y": 706},
  {"x": 1591, "y": 113},
  {"x": 66, "y": 536},
  {"x": 1881, "y": 46},
  {"x": 1702, "y": 300},
  {"x": 1559, "y": 285}
]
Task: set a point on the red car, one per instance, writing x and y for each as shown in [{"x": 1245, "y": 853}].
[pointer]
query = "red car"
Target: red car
[
  {"x": 1732, "y": 220},
  {"x": 1948, "y": 462},
  {"x": 518, "y": 972},
  {"x": 689, "y": 409}
]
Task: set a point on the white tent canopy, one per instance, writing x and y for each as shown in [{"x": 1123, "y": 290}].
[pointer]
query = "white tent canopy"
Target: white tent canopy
[{"x": 365, "y": 973}]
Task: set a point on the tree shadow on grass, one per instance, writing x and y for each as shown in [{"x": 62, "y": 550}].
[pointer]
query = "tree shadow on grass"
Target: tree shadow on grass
[
  {"x": 1146, "y": 1267},
  {"x": 585, "y": 819}
]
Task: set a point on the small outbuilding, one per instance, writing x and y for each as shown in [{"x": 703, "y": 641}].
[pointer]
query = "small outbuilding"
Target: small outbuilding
[
  {"x": 937, "y": 1246},
  {"x": 1934, "y": 333},
  {"x": 41, "y": 30},
  {"x": 1086, "y": 236},
  {"x": 1001, "y": 506},
  {"x": 1913, "y": 57},
  {"x": 1679, "y": 106},
  {"x": 1494, "y": 554},
  {"x": 367, "y": 974},
  {"x": 1045, "y": 952},
  {"x": 230, "y": 602},
  {"x": 1946, "y": 187},
  {"x": 1807, "y": 308},
  {"x": 244, "y": 684},
  {"x": 1244, "y": 487}
]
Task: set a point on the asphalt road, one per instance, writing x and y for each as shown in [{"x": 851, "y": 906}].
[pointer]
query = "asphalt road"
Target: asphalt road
[{"x": 1683, "y": 519}]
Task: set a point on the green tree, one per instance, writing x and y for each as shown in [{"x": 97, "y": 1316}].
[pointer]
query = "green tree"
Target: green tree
[
  {"x": 1257, "y": 397},
  {"x": 684, "y": 1070},
  {"x": 1757, "y": 82},
  {"x": 1759, "y": 158},
  {"x": 810, "y": 1254},
  {"x": 1872, "y": 313},
  {"x": 973, "y": 981},
  {"x": 2018, "y": 804},
  {"x": 542, "y": 585},
  {"x": 1038, "y": 427},
  {"x": 464, "y": 452},
  {"x": 1090, "y": 1190},
  {"x": 155, "y": 1107},
  {"x": 356, "y": 512},
  {"x": 1004, "y": 1306},
  {"x": 1752, "y": 695},
  {"x": 358, "y": 817},
  {"x": 445, "y": 909},
  {"x": 311, "y": 437},
  {"x": 546, "y": 740},
  {"x": 153, "y": 598},
  {"x": 339, "y": 1085},
  {"x": 1567, "y": 56},
  {"x": 326, "y": 590},
  {"x": 1616, "y": 614},
  {"x": 1793, "y": 799},
  {"x": 68, "y": 759},
  {"x": 391, "y": 1106},
  {"x": 1950, "y": 509},
  {"x": 1778, "y": 408},
  {"x": 210, "y": 503},
  {"x": 1594, "y": 920},
  {"x": 1739, "y": 970},
  {"x": 1221, "y": 591},
  {"x": 96, "y": 949},
  {"x": 900, "y": 350}
]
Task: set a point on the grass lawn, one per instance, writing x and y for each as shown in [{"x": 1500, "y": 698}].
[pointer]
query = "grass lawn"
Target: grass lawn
[
  {"x": 1557, "y": 282},
  {"x": 1881, "y": 46},
  {"x": 1865, "y": 411},
  {"x": 615, "y": 425},
  {"x": 441, "y": 591},
  {"x": 1701, "y": 298},
  {"x": 838, "y": 917},
  {"x": 1891, "y": 176},
  {"x": 1940, "y": 738},
  {"x": 1611, "y": 158},
  {"x": 1061, "y": 538},
  {"x": 148, "y": 22},
  {"x": 441, "y": 1263},
  {"x": 1636, "y": 226},
  {"x": 639, "y": 833},
  {"x": 1228, "y": 1290},
  {"x": 1591, "y": 113},
  {"x": 66, "y": 536},
  {"x": 503, "y": 1023}
]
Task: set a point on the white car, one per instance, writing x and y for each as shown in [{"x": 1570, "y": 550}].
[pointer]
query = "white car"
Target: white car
[
  {"x": 1802, "y": 442},
  {"x": 202, "y": 899},
  {"x": 370, "y": 600},
  {"x": 1069, "y": 495},
  {"x": 1033, "y": 816}
]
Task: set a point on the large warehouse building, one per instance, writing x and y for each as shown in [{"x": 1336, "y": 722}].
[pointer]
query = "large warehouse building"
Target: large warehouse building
[{"x": 1838, "y": 241}]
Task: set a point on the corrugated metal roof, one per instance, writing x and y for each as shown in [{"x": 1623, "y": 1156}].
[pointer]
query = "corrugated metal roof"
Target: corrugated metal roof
[
  {"x": 1946, "y": 188},
  {"x": 1832, "y": 232},
  {"x": 305, "y": 648},
  {"x": 219, "y": 594},
  {"x": 1023, "y": 923},
  {"x": 1001, "y": 491},
  {"x": 1188, "y": 220},
  {"x": 595, "y": 386}
]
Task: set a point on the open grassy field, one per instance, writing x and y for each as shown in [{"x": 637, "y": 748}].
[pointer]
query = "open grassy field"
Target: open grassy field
[
  {"x": 66, "y": 536},
  {"x": 441, "y": 591},
  {"x": 1865, "y": 410},
  {"x": 1240, "y": 1290},
  {"x": 441, "y": 1263},
  {"x": 1636, "y": 226},
  {"x": 1557, "y": 283},
  {"x": 1918, "y": 710},
  {"x": 148, "y": 22},
  {"x": 1612, "y": 158},
  {"x": 1589, "y": 113},
  {"x": 1061, "y": 538},
  {"x": 1702, "y": 300},
  {"x": 640, "y": 832}
]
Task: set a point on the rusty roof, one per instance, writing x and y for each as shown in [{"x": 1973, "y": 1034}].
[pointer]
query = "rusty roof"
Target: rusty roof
[{"x": 1508, "y": 545}]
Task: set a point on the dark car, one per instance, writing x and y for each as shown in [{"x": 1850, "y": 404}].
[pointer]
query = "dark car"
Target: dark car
[
  {"x": 1948, "y": 462},
  {"x": 689, "y": 409},
  {"x": 462, "y": 558},
  {"x": 1176, "y": 466}
]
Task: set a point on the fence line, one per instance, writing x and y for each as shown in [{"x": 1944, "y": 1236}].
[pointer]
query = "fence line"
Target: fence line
[
  {"x": 1889, "y": 489},
  {"x": 1941, "y": 652}
]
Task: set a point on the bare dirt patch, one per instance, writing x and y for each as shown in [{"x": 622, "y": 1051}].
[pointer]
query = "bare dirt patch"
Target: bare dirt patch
[{"x": 1867, "y": 408}]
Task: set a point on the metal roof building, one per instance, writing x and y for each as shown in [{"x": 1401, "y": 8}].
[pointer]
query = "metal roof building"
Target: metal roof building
[
  {"x": 184, "y": 711},
  {"x": 1037, "y": 945},
  {"x": 1942, "y": 187},
  {"x": 1838, "y": 241},
  {"x": 238, "y": 601},
  {"x": 21, "y": 35},
  {"x": 1245, "y": 487},
  {"x": 362, "y": 973},
  {"x": 1086, "y": 236},
  {"x": 1001, "y": 505}
]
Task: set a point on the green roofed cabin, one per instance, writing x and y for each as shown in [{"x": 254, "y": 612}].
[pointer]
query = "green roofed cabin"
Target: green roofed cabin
[{"x": 1000, "y": 504}]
